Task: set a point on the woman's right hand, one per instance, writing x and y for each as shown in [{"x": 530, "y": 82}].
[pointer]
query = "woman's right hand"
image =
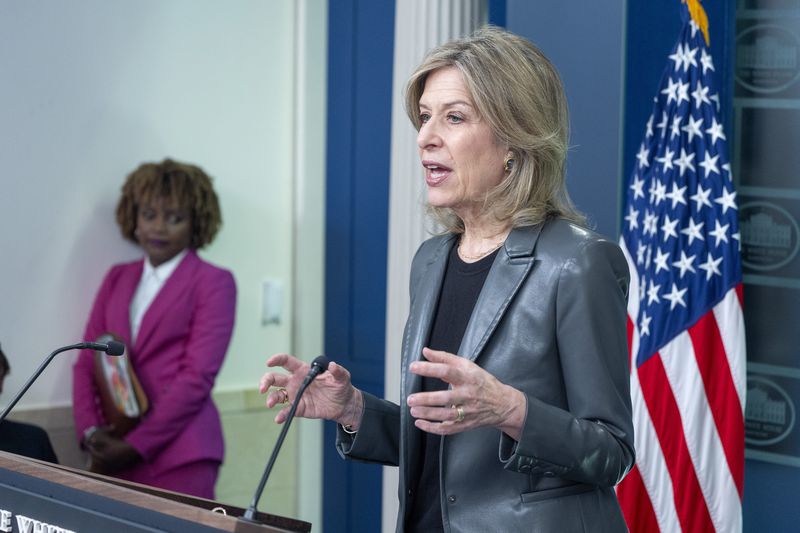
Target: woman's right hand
[
  {"x": 109, "y": 454},
  {"x": 331, "y": 396}
]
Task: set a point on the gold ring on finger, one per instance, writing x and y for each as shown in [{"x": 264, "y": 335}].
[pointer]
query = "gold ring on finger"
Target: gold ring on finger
[
  {"x": 459, "y": 412},
  {"x": 284, "y": 396}
]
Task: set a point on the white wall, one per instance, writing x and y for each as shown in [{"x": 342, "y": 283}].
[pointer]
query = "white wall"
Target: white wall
[
  {"x": 91, "y": 88},
  {"x": 311, "y": 40}
]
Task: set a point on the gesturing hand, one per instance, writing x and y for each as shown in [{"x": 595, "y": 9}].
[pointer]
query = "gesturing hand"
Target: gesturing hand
[
  {"x": 331, "y": 396},
  {"x": 475, "y": 395}
]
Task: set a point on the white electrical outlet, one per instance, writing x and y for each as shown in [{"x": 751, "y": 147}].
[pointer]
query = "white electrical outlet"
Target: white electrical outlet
[{"x": 271, "y": 302}]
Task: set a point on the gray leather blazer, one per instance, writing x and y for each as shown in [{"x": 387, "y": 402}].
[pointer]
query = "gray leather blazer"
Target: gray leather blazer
[{"x": 551, "y": 322}]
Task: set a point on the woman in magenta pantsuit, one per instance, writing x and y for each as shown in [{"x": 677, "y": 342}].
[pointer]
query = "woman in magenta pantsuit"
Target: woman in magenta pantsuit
[{"x": 175, "y": 313}]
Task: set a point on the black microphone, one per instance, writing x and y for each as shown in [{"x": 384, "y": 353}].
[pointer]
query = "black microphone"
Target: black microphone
[
  {"x": 111, "y": 348},
  {"x": 318, "y": 366}
]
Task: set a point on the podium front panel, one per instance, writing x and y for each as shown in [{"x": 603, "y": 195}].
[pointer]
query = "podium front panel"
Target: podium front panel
[
  {"x": 41, "y": 497},
  {"x": 24, "y": 499}
]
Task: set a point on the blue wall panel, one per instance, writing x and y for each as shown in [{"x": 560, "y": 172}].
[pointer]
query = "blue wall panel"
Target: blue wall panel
[
  {"x": 361, "y": 35},
  {"x": 497, "y": 12},
  {"x": 584, "y": 41}
]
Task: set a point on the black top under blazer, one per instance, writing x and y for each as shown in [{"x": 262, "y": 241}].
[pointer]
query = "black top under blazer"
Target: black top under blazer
[{"x": 551, "y": 322}]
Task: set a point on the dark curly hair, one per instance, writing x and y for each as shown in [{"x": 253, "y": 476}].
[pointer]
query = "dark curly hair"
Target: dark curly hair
[{"x": 187, "y": 184}]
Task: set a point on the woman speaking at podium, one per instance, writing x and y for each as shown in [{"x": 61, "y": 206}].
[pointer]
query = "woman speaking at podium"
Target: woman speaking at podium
[
  {"x": 515, "y": 412},
  {"x": 175, "y": 313}
]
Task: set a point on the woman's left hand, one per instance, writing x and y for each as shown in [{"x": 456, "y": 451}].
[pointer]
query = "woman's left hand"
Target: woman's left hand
[{"x": 475, "y": 395}]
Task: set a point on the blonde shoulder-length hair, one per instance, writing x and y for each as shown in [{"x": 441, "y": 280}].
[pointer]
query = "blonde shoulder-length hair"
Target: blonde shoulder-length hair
[{"x": 519, "y": 93}]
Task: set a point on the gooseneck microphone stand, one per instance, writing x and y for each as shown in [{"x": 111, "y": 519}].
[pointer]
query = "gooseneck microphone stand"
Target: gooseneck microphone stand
[
  {"x": 112, "y": 348},
  {"x": 318, "y": 366}
]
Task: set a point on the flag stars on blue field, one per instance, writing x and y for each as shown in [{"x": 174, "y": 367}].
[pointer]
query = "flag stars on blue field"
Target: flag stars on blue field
[
  {"x": 668, "y": 228},
  {"x": 700, "y": 95},
  {"x": 637, "y": 187},
  {"x": 650, "y": 225},
  {"x": 675, "y": 297},
  {"x": 683, "y": 92},
  {"x": 663, "y": 124},
  {"x": 709, "y": 164},
  {"x": 715, "y": 131},
  {"x": 640, "y": 253},
  {"x": 644, "y": 324},
  {"x": 666, "y": 160},
  {"x": 661, "y": 261},
  {"x": 705, "y": 61},
  {"x": 685, "y": 263},
  {"x": 642, "y": 156},
  {"x": 683, "y": 57},
  {"x": 652, "y": 293},
  {"x": 658, "y": 191},
  {"x": 711, "y": 266},
  {"x": 671, "y": 91},
  {"x": 720, "y": 233},
  {"x": 685, "y": 161},
  {"x": 677, "y": 195},
  {"x": 675, "y": 128},
  {"x": 693, "y": 231},
  {"x": 700, "y": 198},
  {"x": 681, "y": 208},
  {"x": 693, "y": 127},
  {"x": 727, "y": 200}
]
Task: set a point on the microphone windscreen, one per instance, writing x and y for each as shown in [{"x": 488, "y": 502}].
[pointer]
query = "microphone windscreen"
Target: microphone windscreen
[
  {"x": 115, "y": 348},
  {"x": 322, "y": 362}
]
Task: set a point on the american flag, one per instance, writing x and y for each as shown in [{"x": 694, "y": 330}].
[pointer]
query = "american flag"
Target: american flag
[{"x": 685, "y": 324}]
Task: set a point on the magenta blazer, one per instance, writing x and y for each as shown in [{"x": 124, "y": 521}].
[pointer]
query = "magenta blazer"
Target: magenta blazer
[{"x": 179, "y": 350}]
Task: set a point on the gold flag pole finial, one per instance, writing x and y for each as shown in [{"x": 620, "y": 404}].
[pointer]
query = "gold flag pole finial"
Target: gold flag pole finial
[{"x": 699, "y": 17}]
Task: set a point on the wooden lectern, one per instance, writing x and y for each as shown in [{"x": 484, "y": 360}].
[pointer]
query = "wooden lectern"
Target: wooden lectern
[{"x": 35, "y": 495}]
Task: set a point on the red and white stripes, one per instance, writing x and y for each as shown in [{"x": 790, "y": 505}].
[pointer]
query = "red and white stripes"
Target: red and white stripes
[{"x": 688, "y": 411}]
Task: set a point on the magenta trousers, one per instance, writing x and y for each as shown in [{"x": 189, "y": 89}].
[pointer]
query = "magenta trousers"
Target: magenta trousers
[{"x": 196, "y": 479}]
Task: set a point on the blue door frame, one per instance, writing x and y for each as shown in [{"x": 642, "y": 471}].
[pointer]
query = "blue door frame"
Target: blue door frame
[{"x": 360, "y": 59}]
